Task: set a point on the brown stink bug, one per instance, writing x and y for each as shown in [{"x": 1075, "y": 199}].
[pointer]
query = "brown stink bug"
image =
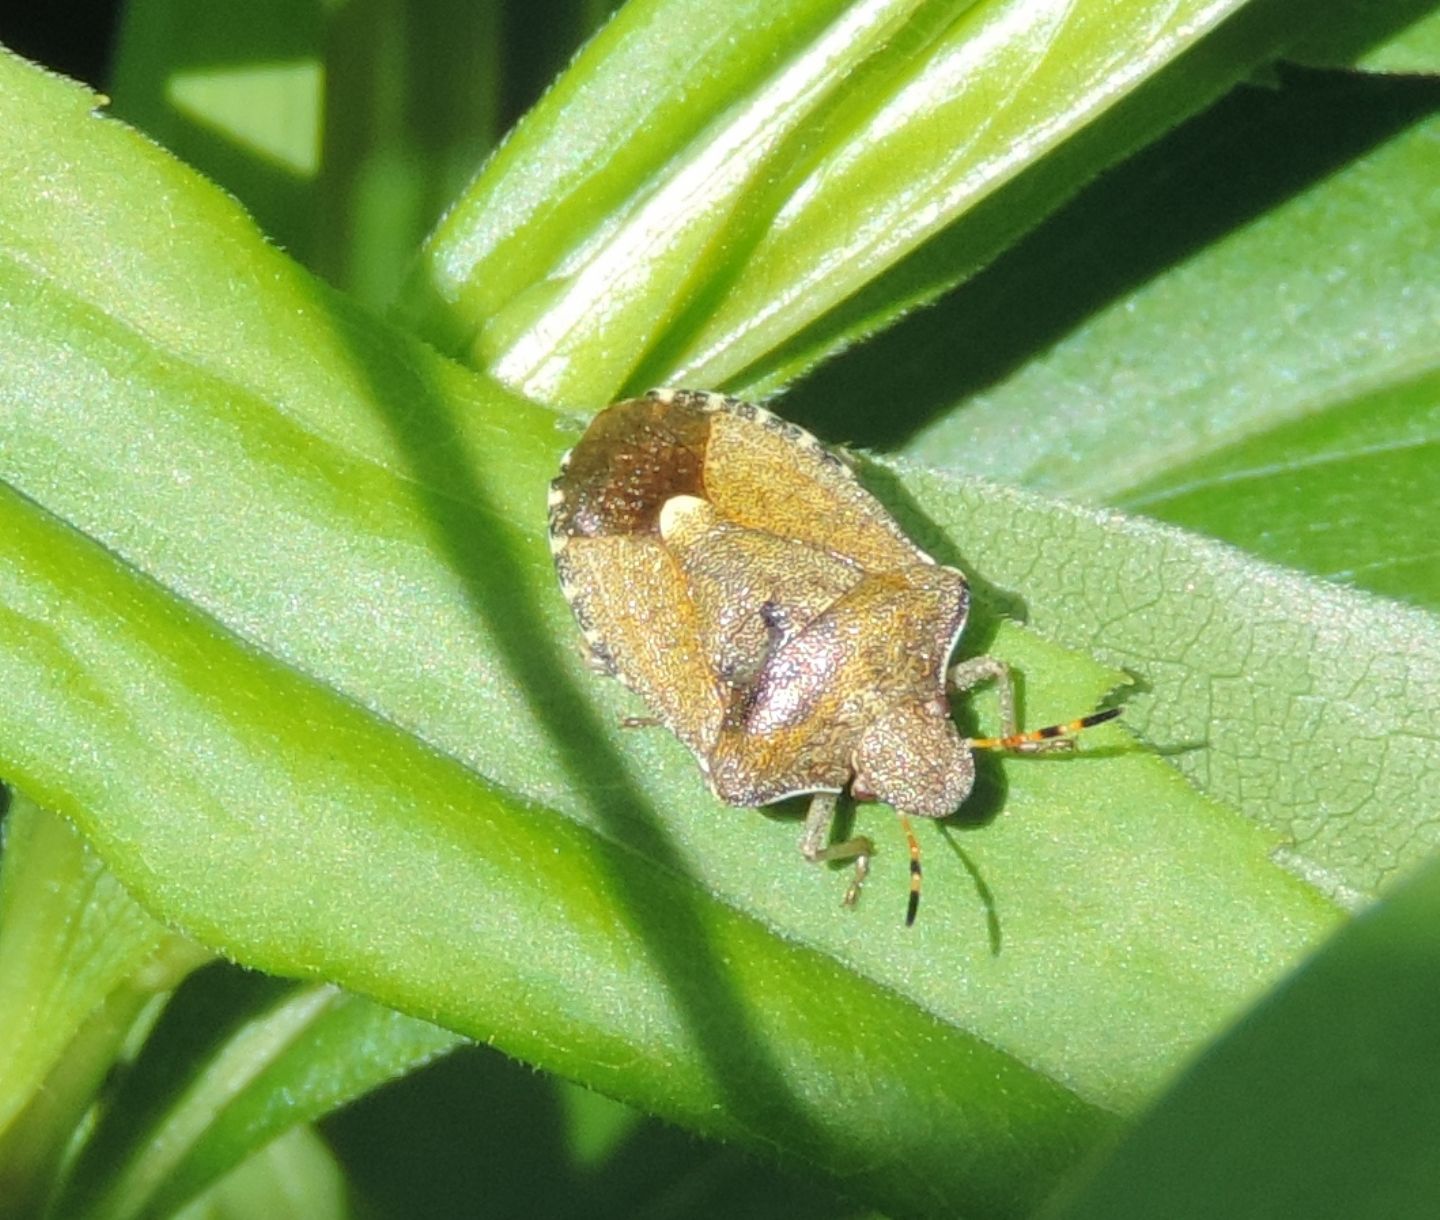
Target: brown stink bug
[{"x": 732, "y": 572}]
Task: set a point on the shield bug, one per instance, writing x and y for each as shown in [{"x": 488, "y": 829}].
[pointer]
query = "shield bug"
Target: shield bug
[{"x": 732, "y": 571}]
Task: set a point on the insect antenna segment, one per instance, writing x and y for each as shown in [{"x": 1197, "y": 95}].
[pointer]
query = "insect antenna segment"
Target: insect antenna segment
[
  {"x": 913, "y": 907},
  {"x": 1012, "y": 741},
  {"x": 1018, "y": 741}
]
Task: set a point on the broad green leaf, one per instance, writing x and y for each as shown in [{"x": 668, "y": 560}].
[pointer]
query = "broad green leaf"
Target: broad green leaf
[
  {"x": 781, "y": 172},
  {"x": 298, "y": 665},
  {"x": 1347, "y": 1119},
  {"x": 306, "y": 835}
]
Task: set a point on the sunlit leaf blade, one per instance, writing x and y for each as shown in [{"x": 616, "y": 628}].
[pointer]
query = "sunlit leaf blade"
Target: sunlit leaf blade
[
  {"x": 418, "y": 884},
  {"x": 781, "y": 172},
  {"x": 506, "y": 233},
  {"x": 1347, "y": 1121},
  {"x": 368, "y": 519}
]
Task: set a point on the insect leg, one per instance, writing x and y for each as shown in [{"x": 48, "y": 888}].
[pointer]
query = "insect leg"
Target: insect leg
[
  {"x": 815, "y": 845},
  {"x": 965, "y": 675}
]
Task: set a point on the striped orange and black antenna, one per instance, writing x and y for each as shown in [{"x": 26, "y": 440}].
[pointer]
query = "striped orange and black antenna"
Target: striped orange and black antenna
[
  {"x": 1014, "y": 741},
  {"x": 913, "y": 908},
  {"x": 1018, "y": 741}
]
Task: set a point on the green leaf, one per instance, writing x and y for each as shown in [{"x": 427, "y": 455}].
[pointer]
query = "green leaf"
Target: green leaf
[
  {"x": 1242, "y": 345},
  {"x": 344, "y": 128},
  {"x": 1397, "y": 36},
  {"x": 235, "y": 1061},
  {"x": 296, "y": 1176},
  {"x": 1348, "y": 1118},
  {"x": 1302, "y": 706},
  {"x": 782, "y": 172},
  {"x": 298, "y": 665}
]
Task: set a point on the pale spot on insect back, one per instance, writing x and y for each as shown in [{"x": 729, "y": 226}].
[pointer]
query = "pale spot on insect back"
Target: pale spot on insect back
[{"x": 685, "y": 517}]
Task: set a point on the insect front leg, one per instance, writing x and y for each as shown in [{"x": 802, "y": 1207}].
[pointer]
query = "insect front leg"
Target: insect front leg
[
  {"x": 816, "y": 847},
  {"x": 966, "y": 675}
]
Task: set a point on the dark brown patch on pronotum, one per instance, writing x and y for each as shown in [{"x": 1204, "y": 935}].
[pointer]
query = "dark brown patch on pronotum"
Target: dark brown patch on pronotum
[
  {"x": 732, "y": 572},
  {"x": 635, "y": 456}
]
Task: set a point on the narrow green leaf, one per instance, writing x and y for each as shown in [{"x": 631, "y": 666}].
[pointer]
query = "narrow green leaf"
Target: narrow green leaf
[
  {"x": 780, "y": 173},
  {"x": 1347, "y": 1121},
  {"x": 234, "y": 1062},
  {"x": 80, "y": 963},
  {"x": 294, "y": 1178},
  {"x": 71, "y": 937}
]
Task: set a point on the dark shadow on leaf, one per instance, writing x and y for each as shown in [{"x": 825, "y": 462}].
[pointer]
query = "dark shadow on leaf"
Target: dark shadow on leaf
[
  {"x": 477, "y": 1134},
  {"x": 498, "y": 578},
  {"x": 982, "y": 890}
]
